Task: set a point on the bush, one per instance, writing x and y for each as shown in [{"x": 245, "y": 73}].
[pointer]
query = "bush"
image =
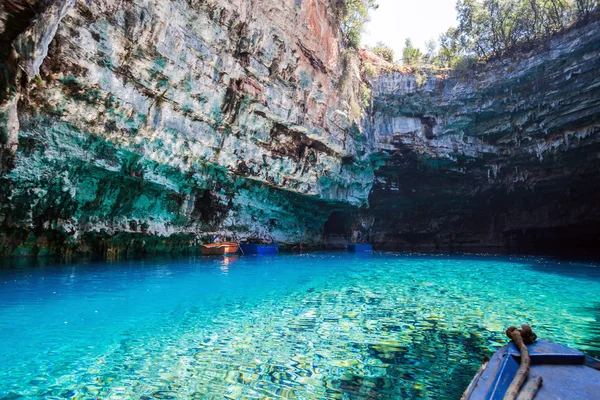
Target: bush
[
  {"x": 384, "y": 52},
  {"x": 365, "y": 94},
  {"x": 369, "y": 69},
  {"x": 420, "y": 79},
  {"x": 464, "y": 63}
]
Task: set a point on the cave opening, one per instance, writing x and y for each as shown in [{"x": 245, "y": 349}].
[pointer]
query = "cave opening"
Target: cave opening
[
  {"x": 428, "y": 124},
  {"x": 337, "y": 229},
  {"x": 578, "y": 241},
  {"x": 337, "y": 223}
]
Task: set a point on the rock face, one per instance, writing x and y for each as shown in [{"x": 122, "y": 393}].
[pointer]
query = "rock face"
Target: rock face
[
  {"x": 149, "y": 124},
  {"x": 505, "y": 157}
]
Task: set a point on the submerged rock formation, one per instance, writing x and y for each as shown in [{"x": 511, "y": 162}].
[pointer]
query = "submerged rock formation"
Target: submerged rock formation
[
  {"x": 151, "y": 125},
  {"x": 504, "y": 157}
]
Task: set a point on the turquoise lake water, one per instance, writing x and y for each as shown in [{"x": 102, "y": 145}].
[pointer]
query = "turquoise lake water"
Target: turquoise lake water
[{"x": 312, "y": 326}]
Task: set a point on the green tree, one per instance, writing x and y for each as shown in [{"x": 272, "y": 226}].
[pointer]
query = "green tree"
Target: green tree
[
  {"x": 410, "y": 54},
  {"x": 488, "y": 28},
  {"x": 354, "y": 18},
  {"x": 585, "y": 7},
  {"x": 431, "y": 55},
  {"x": 384, "y": 51}
]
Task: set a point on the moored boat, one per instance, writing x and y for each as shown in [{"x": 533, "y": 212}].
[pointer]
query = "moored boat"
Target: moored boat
[
  {"x": 219, "y": 249},
  {"x": 355, "y": 247},
  {"x": 563, "y": 373},
  {"x": 257, "y": 248}
]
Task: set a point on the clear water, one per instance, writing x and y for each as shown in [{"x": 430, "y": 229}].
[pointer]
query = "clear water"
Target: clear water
[{"x": 311, "y": 326}]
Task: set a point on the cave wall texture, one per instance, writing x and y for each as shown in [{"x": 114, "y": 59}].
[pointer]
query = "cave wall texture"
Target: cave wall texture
[
  {"x": 150, "y": 125},
  {"x": 506, "y": 157}
]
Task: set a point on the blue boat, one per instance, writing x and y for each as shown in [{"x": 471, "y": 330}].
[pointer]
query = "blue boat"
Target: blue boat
[
  {"x": 250, "y": 248},
  {"x": 566, "y": 373},
  {"x": 358, "y": 248}
]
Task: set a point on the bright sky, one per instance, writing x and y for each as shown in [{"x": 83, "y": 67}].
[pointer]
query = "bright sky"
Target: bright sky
[{"x": 420, "y": 20}]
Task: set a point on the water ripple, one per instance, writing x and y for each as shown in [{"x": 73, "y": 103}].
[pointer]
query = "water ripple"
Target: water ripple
[{"x": 299, "y": 327}]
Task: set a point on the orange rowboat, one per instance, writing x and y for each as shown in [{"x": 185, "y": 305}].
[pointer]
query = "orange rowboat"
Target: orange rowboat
[{"x": 219, "y": 249}]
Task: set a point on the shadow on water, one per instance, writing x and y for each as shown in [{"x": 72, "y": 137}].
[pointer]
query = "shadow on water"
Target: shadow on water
[
  {"x": 570, "y": 269},
  {"x": 420, "y": 370},
  {"x": 574, "y": 268},
  {"x": 36, "y": 262},
  {"x": 594, "y": 330}
]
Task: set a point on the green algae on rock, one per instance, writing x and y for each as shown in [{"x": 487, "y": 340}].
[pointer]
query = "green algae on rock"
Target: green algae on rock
[{"x": 143, "y": 124}]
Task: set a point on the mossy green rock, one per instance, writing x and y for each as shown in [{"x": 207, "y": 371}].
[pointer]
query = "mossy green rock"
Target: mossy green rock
[{"x": 154, "y": 125}]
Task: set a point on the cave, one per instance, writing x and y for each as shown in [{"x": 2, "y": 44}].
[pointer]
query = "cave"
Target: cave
[
  {"x": 338, "y": 229},
  {"x": 428, "y": 124},
  {"x": 337, "y": 223},
  {"x": 432, "y": 161},
  {"x": 581, "y": 241},
  {"x": 299, "y": 199}
]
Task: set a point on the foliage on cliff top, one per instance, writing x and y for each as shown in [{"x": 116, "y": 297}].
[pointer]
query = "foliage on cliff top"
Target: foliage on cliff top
[
  {"x": 354, "y": 17},
  {"x": 372, "y": 64},
  {"x": 410, "y": 54},
  {"x": 492, "y": 28},
  {"x": 384, "y": 51}
]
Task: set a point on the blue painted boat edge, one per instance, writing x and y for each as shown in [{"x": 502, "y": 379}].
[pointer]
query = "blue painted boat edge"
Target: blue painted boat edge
[
  {"x": 546, "y": 352},
  {"x": 360, "y": 247},
  {"x": 251, "y": 248},
  {"x": 592, "y": 362},
  {"x": 494, "y": 380}
]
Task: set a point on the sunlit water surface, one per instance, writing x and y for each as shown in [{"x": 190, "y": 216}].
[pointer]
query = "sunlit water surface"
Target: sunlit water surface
[{"x": 311, "y": 326}]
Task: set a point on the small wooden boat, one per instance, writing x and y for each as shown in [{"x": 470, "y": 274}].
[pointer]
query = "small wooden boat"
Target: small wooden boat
[
  {"x": 565, "y": 373},
  {"x": 219, "y": 249},
  {"x": 358, "y": 248},
  {"x": 255, "y": 248}
]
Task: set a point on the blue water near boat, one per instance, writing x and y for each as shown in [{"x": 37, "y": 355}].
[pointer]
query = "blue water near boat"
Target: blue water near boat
[
  {"x": 310, "y": 326},
  {"x": 248, "y": 248}
]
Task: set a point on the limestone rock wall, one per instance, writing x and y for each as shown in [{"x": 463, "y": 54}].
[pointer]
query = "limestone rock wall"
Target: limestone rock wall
[
  {"x": 506, "y": 156},
  {"x": 151, "y": 125},
  {"x": 154, "y": 124}
]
